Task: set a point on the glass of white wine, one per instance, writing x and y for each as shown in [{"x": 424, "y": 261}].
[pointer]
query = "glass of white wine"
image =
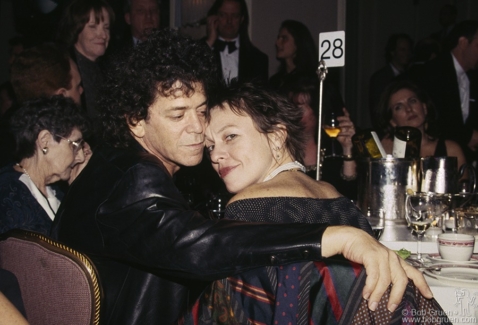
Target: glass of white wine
[
  {"x": 421, "y": 210},
  {"x": 331, "y": 127}
]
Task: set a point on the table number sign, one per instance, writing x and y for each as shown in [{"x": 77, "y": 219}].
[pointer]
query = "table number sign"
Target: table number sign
[{"x": 332, "y": 48}]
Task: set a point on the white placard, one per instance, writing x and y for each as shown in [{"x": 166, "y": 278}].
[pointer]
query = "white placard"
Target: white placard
[{"x": 332, "y": 48}]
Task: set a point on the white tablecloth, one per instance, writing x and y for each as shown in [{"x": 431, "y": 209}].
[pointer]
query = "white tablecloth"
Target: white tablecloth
[{"x": 460, "y": 303}]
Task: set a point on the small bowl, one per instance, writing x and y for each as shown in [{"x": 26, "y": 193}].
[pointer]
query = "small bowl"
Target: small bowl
[{"x": 456, "y": 247}]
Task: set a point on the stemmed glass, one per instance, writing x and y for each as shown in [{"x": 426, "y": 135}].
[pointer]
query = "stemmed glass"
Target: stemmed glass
[
  {"x": 331, "y": 128},
  {"x": 421, "y": 209},
  {"x": 442, "y": 205}
]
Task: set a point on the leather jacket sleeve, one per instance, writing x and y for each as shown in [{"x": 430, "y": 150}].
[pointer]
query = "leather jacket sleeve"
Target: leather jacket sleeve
[{"x": 146, "y": 222}]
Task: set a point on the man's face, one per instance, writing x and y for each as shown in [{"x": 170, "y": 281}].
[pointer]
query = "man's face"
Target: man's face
[
  {"x": 402, "y": 53},
  {"x": 143, "y": 17},
  {"x": 229, "y": 19},
  {"x": 470, "y": 54},
  {"x": 76, "y": 89},
  {"x": 174, "y": 129}
]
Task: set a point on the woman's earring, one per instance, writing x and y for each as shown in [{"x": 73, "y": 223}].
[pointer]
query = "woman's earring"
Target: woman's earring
[
  {"x": 278, "y": 155},
  {"x": 45, "y": 150}
]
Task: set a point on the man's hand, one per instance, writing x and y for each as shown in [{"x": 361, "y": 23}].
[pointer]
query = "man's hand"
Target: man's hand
[
  {"x": 76, "y": 170},
  {"x": 211, "y": 29},
  {"x": 382, "y": 265}
]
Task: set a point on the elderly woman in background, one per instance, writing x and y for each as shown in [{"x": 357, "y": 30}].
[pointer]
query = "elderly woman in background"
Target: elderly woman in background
[
  {"x": 404, "y": 104},
  {"x": 49, "y": 148},
  {"x": 85, "y": 30}
]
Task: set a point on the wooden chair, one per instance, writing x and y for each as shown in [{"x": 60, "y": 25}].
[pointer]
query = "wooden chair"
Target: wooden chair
[{"x": 58, "y": 284}]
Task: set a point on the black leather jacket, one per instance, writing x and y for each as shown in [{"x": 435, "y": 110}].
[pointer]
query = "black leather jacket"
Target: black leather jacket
[{"x": 154, "y": 254}]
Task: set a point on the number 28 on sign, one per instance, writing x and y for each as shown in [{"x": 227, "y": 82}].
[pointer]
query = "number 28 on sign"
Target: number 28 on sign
[{"x": 332, "y": 48}]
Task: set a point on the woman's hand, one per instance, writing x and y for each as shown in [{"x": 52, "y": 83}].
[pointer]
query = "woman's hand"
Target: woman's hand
[
  {"x": 76, "y": 170},
  {"x": 347, "y": 130},
  {"x": 382, "y": 265}
]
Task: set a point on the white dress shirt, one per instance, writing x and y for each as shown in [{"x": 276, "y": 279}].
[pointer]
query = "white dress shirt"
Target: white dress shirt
[
  {"x": 230, "y": 62},
  {"x": 464, "y": 86},
  {"x": 50, "y": 203}
]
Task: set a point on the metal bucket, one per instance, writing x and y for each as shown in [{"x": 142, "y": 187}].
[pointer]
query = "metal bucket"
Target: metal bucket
[
  {"x": 382, "y": 187},
  {"x": 441, "y": 175}
]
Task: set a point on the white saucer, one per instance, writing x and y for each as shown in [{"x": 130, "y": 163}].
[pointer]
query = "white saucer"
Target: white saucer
[
  {"x": 436, "y": 258},
  {"x": 454, "y": 274}
]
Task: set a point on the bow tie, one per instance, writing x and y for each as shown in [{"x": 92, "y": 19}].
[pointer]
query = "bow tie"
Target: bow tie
[{"x": 221, "y": 45}]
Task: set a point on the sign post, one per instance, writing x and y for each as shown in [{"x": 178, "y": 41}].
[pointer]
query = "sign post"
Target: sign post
[{"x": 331, "y": 54}]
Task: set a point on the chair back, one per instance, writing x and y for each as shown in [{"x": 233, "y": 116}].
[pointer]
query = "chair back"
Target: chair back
[{"x": 58, "y": 284}]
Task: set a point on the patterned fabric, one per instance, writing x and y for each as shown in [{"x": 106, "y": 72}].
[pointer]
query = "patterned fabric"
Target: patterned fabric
[
  {"x": 18, "y": 207},
  {"x": 285, "y": 294},
  {"x": 308, "y": 293}
]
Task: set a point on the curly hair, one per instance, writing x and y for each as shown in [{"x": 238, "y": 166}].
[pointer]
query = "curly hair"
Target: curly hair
[
  {"x": 306, "y": 54},
  {"x": 77, "y": 15},
  {"x": 151, "y": 70},
  {"x": 40, "y": 71},
  {"x": 267, "y": 110},
  {"x": 59, "y": 115},
  {"x": 384, "y": 113}
]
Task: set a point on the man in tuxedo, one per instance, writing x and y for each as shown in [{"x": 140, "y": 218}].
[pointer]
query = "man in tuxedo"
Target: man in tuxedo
[
  {"x": 452, "y": 82},
  {"x": 227, "y": 35}
]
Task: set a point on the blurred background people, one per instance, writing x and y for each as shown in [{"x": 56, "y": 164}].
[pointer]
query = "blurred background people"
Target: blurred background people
[
  {"x": 7, "y": 98},
  {"x": 49, "y": 145},
  {"x": 447, "y": 20},
  {"x": 451, "y": 80},
  {"x": 404, "y": 104},
  {"x": 339, "y": 171},
  {"x": 297, "y": 53},
  {"x": 142, "y": 16},
  {"x": 85, "y": 30},
  {"x": 41, "y": 71},
  {"x": 398, "y": 54},
  {"x": 227, "y": 35}
]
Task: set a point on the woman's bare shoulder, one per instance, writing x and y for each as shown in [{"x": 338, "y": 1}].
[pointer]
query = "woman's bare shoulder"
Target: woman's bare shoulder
[{"x": 289, "y": 184}]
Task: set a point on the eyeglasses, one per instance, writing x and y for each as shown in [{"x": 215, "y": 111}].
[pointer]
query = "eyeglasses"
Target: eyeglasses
[{"x": 77, "y": 145}]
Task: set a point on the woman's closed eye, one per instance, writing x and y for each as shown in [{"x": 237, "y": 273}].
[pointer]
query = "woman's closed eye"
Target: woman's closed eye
[{"x": 209, "y": 148}]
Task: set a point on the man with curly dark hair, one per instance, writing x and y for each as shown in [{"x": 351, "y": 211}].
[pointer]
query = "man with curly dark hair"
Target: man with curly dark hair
[{"x": 153, "y": 253}]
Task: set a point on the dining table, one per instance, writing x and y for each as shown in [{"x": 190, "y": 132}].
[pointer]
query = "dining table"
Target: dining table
[{"x": 454, "y": 285}]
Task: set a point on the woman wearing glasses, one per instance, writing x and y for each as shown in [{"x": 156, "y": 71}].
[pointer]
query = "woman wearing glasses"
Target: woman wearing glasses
[{"x": 49, "y": 148}]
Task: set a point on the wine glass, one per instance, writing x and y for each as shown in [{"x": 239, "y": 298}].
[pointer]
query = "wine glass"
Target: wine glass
[
  {"x": 421, "y": 209},
  {"x": 331, "y": 128},
  {"x": 442, "y": 205}
]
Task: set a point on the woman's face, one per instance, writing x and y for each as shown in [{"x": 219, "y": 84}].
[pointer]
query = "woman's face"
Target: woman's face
[
  {"x": 285, "y": 45},
  {"x": 93, "y": 39},
  {"x": 407, "y": 109},
  {"x": 239, "y": 153},
  {"x": 65, "y": 154}
]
